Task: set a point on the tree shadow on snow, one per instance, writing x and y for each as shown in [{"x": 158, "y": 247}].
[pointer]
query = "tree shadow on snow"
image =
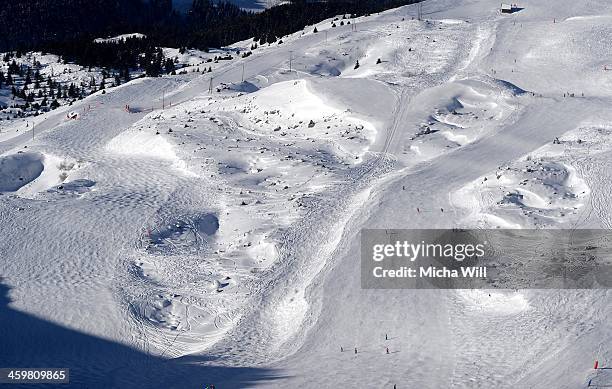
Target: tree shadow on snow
[{"x": 28, "y": 341}]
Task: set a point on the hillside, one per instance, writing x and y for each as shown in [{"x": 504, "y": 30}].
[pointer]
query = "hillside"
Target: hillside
[
  {"x": 204, "y": 228},
  {"x": 58, "y": 26}
]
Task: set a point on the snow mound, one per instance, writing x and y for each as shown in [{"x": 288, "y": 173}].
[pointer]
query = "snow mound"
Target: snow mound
[
  {"x": 501, "y": 303},
  {"x": 29, "y": 173},
  {"x": 56, "y": 170},
  {"x": 303, "y": 109},
  {"x": 245, "y": 86},
  {"x": 20, "y": 169},
  {"x": 454, "y": 115},
  {"x": 516, "y": 90},
  {"x": 164, "y": 312},
  {"x": 191, "y": 324},
  {"x": 544, "y": 188},
  {"x": 295, "y": 98},
  {"x": 139, "y": 143}
]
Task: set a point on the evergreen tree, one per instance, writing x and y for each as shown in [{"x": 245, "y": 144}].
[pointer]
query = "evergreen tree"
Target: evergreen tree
[{"x": 169, "y": 65}]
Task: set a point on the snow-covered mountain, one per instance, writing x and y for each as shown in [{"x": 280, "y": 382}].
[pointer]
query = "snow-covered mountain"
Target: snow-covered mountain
[
  {"x": 253, "y": 5},
  {"x": 203, "y": 228}
]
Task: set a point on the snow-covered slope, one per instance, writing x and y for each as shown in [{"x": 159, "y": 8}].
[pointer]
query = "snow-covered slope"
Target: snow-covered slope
[
  {"x": 181, "y": 236},
  {"x": 120, "y": 38},
  {"x": 251, "y": 5}
]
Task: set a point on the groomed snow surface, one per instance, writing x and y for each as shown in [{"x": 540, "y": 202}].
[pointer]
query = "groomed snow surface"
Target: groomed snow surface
[{"x": 215, "y": 240}]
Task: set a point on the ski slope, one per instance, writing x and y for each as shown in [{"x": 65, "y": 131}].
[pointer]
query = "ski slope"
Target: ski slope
[{"x": 213, "y": 237}]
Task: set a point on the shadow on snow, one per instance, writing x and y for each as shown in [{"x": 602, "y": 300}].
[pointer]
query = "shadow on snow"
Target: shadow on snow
[{"x": 28, "y": 341}]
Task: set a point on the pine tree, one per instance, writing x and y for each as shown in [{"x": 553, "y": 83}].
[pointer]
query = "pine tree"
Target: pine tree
[
  {"x": 72, "y": 91},
  {"x": 169, "y": 65},
  {"x": 14, "y": 68}
]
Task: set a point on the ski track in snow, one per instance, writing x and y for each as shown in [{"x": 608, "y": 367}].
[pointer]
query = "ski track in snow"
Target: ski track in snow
[{"x": 222, "y": 232}]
